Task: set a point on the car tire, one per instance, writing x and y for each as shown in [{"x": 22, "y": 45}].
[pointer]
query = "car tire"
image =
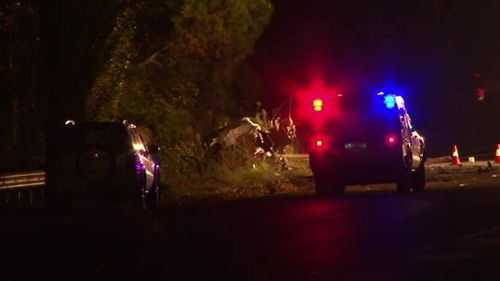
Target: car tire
[
  {"x": 322, "y": 185},
  {"x": 135, "y": 198},
  {"x": 148, "y": 200},
  {"x": 327, "y": 186},
  {"x": 152, "y": 199},
  {"x": 338, "y": 188},
  {"x": 82, "y": 161},
  {"x": 404, "y": 182},
  {"x": 405, "y": 179},
  {"x": 418, "y": 179}
]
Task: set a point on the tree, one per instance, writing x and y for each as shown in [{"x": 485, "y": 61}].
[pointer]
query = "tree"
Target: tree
[
  {"x": 172, "y": 65},
  {"x": 21, "y": 106}
]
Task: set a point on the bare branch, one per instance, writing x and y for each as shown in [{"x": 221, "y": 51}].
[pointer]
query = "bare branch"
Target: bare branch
[{"x": 152, "y": 58}]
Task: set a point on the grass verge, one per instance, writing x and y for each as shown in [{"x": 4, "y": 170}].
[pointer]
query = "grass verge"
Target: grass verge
[{"x": 260, "y": 178}]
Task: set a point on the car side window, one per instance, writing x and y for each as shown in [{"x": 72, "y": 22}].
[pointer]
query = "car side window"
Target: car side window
[
  {"x": 136, "y": 140},
  {"x": 143, "y": 142}
]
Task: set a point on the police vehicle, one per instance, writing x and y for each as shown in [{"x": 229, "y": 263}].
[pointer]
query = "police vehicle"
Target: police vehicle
[{"x": 354, "y": 140}]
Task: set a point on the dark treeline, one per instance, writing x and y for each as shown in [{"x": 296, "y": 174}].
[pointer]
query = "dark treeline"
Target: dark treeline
[
  {"x": 178, "y": 67},
  {"x": 22, "y": 105}
]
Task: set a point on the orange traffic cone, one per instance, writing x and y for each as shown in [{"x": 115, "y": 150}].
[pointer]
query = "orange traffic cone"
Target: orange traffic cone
[
  {"x": 497, "y": 154},
  {"x": 455, "y": 159}
]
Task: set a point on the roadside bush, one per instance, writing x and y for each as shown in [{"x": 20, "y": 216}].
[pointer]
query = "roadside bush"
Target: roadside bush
[{"x": 173, "y": 67}]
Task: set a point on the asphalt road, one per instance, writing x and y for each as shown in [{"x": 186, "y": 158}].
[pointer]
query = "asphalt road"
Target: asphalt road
[{"x": 451, "y": 232}]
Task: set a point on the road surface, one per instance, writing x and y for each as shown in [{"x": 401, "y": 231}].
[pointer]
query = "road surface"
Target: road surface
[{"x": 452, "y": 232}]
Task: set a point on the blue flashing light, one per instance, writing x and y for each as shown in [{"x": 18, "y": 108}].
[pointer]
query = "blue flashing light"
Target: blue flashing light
[
  {"x": 380, "y": 94},
  {"x": 389, "y": 101}
]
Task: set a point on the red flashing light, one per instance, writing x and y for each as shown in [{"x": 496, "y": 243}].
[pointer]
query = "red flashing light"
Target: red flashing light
[
  {"x": 318, "y": 104},
  {"x": 391, "y": 139},
  {"x": 319, "y": 143}
]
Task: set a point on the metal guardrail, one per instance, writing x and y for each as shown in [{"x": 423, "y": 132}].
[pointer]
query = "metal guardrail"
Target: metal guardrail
[
  {"x": 14, "y": 188},
  {"x": 303, "y": 156},
  {"x": 22, "y": 180}
]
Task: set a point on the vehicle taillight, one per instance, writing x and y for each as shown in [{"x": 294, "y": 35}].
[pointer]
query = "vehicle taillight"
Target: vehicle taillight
[
  {"x": 318, "y": 104},
  {"x": 391, "y": 139},
  {"x": 319, "y": 143}
]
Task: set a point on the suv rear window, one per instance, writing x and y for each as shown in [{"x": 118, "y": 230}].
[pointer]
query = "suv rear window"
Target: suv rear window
[
  {"x": 371, "y": 126},
  {"x": 114, "y": 138},
  {"x": 367, "y": 118}
]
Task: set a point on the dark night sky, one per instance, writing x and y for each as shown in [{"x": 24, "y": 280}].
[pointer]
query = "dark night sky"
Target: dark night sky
[{"x": 428, "y": 49}]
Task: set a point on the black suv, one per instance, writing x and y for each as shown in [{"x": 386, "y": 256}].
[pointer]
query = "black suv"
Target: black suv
[
  {"x": 106, "y": 160},
  {"x": 355, "y": 141}
]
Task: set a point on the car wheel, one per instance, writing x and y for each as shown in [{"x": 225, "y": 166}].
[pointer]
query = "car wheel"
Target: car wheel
[
  {"x": 322, "y": 185},
  {"x": 136, "y": 198},
  {"x": 418, "y": 179},
  {"x": 151, "y": 200},
  {"x": 153, "y": 197},
  {"x": 405, "y": 179},
  {"x": 95, "y": 163},
  {"x": 403, "y": 184},
  {"x": 338, "y": 188},
  {"x": 328, "y": 185}
]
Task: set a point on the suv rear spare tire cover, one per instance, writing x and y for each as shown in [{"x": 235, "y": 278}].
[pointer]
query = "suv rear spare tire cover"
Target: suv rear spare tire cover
[{"x": 95, "y": 163}]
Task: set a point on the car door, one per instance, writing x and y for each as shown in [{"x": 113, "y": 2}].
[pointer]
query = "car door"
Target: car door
[{"x": 415, "y": 142}]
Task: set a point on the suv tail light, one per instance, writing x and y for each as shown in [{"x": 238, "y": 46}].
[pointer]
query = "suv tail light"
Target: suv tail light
[
  {"x": 391, "y": 139},
  {"x": 319, "y": 143}
]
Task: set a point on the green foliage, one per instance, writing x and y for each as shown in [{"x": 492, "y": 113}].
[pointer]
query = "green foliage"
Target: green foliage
[
  {"x": 110, "y": 86},
  {"x": 172, "y": 66},
  {"x": 231, "y": 179},
  {"x": 262, "y": 117}
]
